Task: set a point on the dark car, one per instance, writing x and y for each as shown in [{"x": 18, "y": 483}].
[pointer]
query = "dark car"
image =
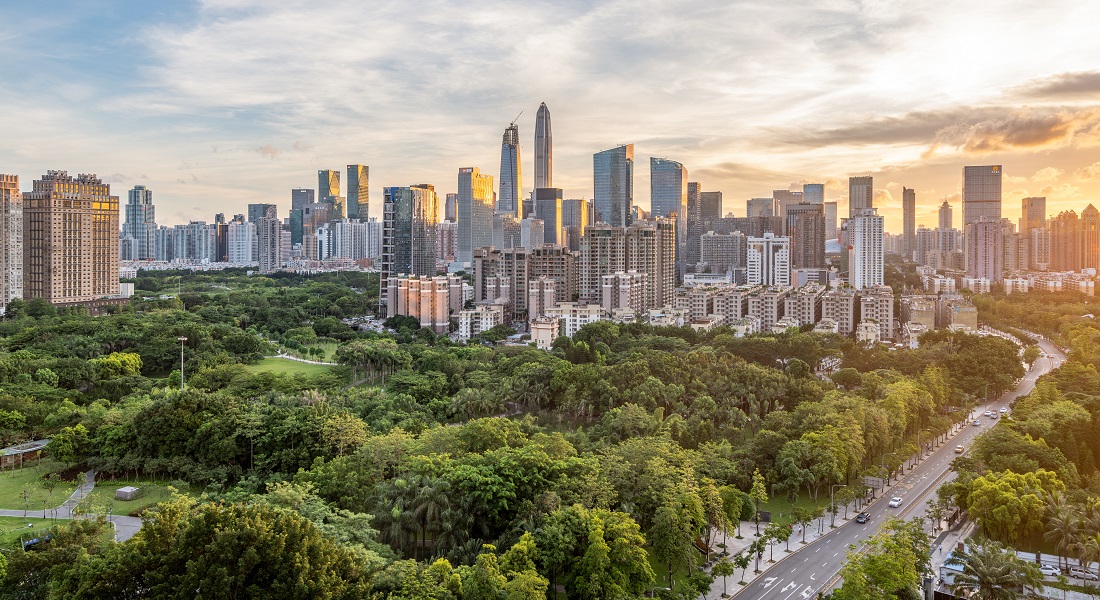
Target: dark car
[{"x": 863, "y": 517}]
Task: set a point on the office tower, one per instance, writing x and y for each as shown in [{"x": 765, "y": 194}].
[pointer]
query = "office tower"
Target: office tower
[
  {"x": 861, "y": 194},
  {"x": 613, "y": 175},
  {"x": 511, "y": 175},
  {"x": 241, "y": 239},
  {"x": 981, "y": 193},
  {"x": 668, "y": 188},
  {"x": 328, "y": 185},
  {"x": 760, "y": 207},
  {"x": 531, "y": 232},
  {"x": 410, "y": 216},
  {"x": 300, "y": 197},
  {"x": 70, "y": 239},
  {"x": 475, "y": 212},
  {"x": 450, "y": 208},
  {"x": 805, "y": 226},
  {"x": 710, "y": 208},
  {"x": 295, "y": 221},
  {"x": 221, "y": 237},
  {"x": 1033, "y": 213},
  {"x": 909, "y": 222},
  {"x": 544, "y": 149},
  {"x": 548, "y": 209},
  {"x": 141, "y": 223},
  {"x": 256, "y": 211},
  {"x": 693, "y": 225},
  {"x": 985, "y": 249},
  {"x": 946, "y": 218},
  {"x": 866, "y": 253},
  {"x": 722, "y": 252},
  {"x": 1089, "y": 238},
  {"x": 783, "y": 199},
  {"x": 813, "y": 193},
  {"x": 358, "y": 192},
  {"x": 575, "y": 215},
  {"x": 768, "y": 260},
  {"x": 506, "y": 231},
  {"x": 11, "y": 240},
  {"x": 1064, "y": 249},
  {"x": 830, "y": 220}
]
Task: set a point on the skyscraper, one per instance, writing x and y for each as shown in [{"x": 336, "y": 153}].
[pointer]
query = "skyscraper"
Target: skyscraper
[
  {"x": 257, "y": 211},
  {"x": 70, "y": 235},
  {"x": 1033, "y": 213},
  {"x": 511, "y": 175},
  {"x": 813, "y": 193},
  {"x": 760, "y": 207},
  {"x": 830, "y": 220},
  {"x": 548, "y": 209},
  {"x": 475, "y": 212},
  {"x": 668, "y": 188},
  {"x": 769, "y": 260},
  {"x": 141, "y": 223},
  {"x": 805, "y": 226},
  {"x": 909, "y": 221},
  {"x": 613, "y": 175},
  {"x": 981, "y": 193},
  {"x": 269, "y": 240},
  {"x": 299, "y": 197},
  {"x": 544, "y": 149},
  {"x": 693, "y": 224},
  {"x": 11, "y": 241},
  {"x": 358, "y": 192},
  {"x": 985, "y": 249},
  {"x": 574, "y": 218},
  {"x": 783, "y": 199},
  {"x": 946, "y": 217},
  {"x": 450, "y": 208},
  {"x": 710, "y": 208},
  {"x": 866, "y": 252},
  {"x": 410, "y": 216},
  {"x": 328, "y": 185},
  {"x": 861, "y": 194}
]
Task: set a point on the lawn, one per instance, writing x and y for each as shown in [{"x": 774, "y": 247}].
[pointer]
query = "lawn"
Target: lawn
[
  {"x": 30, "y": 476},
  {"x": 103, "y": 496},
  {"x": 285, "y": 366},
  {"x": 781, "y": 507},
  {"x": 12, "y": 527}
]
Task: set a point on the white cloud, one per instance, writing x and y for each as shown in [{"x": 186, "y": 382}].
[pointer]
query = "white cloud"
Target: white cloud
[{"x": 1047, "y": 174}]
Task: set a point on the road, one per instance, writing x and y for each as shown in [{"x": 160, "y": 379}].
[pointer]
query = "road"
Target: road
[{"x": 814, "y": 568}]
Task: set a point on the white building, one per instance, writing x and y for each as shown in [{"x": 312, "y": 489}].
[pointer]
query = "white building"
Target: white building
[
  {"x": 877, "y": 304},
  {"x": 768, "y": 260},
  {"x": 241, "y": 241},
  {"x": 573, "y": 316},
  {"x": 346, "y": 238},
  {"x": 866, "y": 252},
  {"x": 804, "y": 304},
  {"x": 623, "y": 290},
  {"x": 544, "y": 331},
  {"x": 481, "y": 318}
]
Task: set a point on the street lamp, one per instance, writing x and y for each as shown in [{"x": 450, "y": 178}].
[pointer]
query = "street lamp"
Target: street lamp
[
  {"x": 832, "y": 505},
  {"x": 181, "y": 340}
]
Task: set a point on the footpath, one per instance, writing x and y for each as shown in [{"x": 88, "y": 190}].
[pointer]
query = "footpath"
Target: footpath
[{"x": 125, "y": 527}]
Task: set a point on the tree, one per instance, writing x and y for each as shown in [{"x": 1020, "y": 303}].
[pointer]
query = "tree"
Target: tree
[
  {"x": 890, "y": 566},
  {"x": 732, "y": 505},
  {"x": 1010, "y": 506},
  {"x": 1031, "y": 354},
  {"x": 723, "y": 568},
  {"x": 1062, "y": 529},
  {"x": 992, "y": 572},
  {"x": 342, "y": 431},
  {"x": 759, "y": 494},
  {"x": 671, "y": 536},
  {"x": 742, "y": 561}
]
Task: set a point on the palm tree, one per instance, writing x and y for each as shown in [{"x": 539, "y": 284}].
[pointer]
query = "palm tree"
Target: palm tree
[
  {"x": 1088, "y": 547},
  {"x": 432, "y": 499},
  {"x": 1062, "y": 530},
  {"x": 991, "y": 572}
]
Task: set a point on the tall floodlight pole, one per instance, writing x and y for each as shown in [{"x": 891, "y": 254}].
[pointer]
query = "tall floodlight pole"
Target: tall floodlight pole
[{"x": 181, "y": 340}]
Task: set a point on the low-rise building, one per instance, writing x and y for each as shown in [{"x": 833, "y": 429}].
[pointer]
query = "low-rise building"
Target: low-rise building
[
  {"x": 804, "y": 304},
  {"x": 744, "y": 326},
  {"x": 668, "y": 316},
  {"x": 867, "y": 332},
  {"x": 544, "y": 330},
  {"x": 826, "y": 325},
  {"x": 573, "y": 316},
  {"x": 707, "y": 323},
  {"x": 840, "y": 305},
  {"x": 877, "y": 303},
  {"x": 768, "y": 305},
  {"x": 482, "y": 317}
]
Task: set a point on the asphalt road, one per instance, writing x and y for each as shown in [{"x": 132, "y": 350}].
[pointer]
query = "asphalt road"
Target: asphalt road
[{"x": 815, "y": 567}]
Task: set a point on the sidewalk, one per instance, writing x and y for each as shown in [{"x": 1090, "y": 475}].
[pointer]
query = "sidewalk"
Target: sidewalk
[{"x": 125, "y": 527}]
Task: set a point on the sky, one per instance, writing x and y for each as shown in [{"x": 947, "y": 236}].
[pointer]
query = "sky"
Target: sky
[{"x": 217, "y": 104}]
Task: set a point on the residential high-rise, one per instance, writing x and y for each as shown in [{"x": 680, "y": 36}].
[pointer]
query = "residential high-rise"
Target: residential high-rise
[
  {"x": 548, "y": 209},
  {"x": 768, "y": 261},
  {"x": 1064, "y": 249},
  {"x": 328, "y": 185},
  {"x": 710, "y": 208},
  {"x": 1089, "y": 236},
  {"x": 300, "y": 197},
  {"x": 409, "y": 219},
  {"x": 141, "y": 223},
  {"x": 861, "y": 194},
  {"x": 11, "y": 241},
  {"x": 256, "y": 211},
  {"x": 866, "y": 254},
  {"x": 946, "y": 218},
  {"x": 760, "y": 207},
  {"x": 70, "y": 239},
  {"x": 221, "y": 236},
  {"x": 511, "y": 175},
  {"x": 813, "y": 193},
  {"x": 358, "y": 192},
  {"x": 985, "y": 249},
  {"x": 646, "y": 246},
  {"x": 544, "y": 149},
  {"x": 1033, "y": 213},
  {"x": 693, "y": 225},
  {"x": 613, "y": 175},
  {"x": 805, "y": 226},
  {"x": 909, "y": 221},
  {"x": 241, "y": 242},
  {"x": 269, "y": 240},
  {"x": 830, "y": 221},
  {"x": 981, "y": 193},
  {"x": 723, "y": 251},
  {"x": 1039, "y": 248},
  {"x": 450, "y": 208},
  {"x": 475, "y": 213}
]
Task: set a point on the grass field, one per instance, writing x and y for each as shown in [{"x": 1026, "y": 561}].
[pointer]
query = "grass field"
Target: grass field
[
  {"x": 103, "y": 497},
  {"x": 13, "y": 482},
  {"x": 12, "y": 527},
  {"x": 285, "y": 366}
]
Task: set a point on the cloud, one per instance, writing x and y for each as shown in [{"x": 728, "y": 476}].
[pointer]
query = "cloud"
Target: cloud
[
  {"x": 116, "y": 178},
  {"x": 1062, "y": 191},
  {"x": 302, "y": 147},
  {"x": 268, "y": 151},
  {"x": 1082, "y": 84},
  {"x": 1090, "y": 172},
  {"x": 1022, "y": 130},
  {"x": 883, "y": 198},
  {"x": 1047, "y": 174}
]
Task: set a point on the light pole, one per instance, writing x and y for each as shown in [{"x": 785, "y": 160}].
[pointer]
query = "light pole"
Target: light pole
[
  {"x": 832, "y": 505},
  {"x": 181, "y": 340}
]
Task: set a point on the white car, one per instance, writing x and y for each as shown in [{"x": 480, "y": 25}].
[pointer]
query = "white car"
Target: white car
[
  {"x": 895, "y": 502},
  {"x": 1048, "y": 571},
  {"x": 1082, "y": 573}
]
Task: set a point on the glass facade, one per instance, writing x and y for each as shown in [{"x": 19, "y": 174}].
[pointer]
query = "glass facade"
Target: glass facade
[
  {"x": 358, "y": 191},
  {"x": 613, "y": 194},
  {"x": 511, "y": 176},
  {"x": 475, "y": 212}
]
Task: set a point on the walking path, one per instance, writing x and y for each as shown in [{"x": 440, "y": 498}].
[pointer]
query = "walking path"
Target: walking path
[
  {"x": 125, "y": 527},
  {"x": 303, "y": 360}
]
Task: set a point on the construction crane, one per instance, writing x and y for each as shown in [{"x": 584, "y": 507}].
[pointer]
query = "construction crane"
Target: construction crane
[{"x": 517, "y": 117}]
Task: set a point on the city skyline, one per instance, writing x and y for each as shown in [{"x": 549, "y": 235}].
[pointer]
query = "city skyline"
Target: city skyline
[{"x": 168, "y": 97}]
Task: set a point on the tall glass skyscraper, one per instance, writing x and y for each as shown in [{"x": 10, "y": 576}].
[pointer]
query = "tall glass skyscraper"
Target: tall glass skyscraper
[
  {"x": 813, "y": 193},
  {"x": 358, "y": 191},
  {"x": 981, "y": 193},
  {"x": 668, "y": 188},
  {"x": 544, "y": 149},
  {"x": 511, "y": 176},
  {"x": 475, "y": 212},
  {"x": 410, "y": 217},
  {"x": 141, "y": 223},
  {"x": 328, "y": 185},
  {"x": 613, "y": 175}
]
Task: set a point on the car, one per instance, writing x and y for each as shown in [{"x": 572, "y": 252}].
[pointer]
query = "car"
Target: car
[
  {"x": 1083, "y": 573},
  {"x": 976, "y": 423},
  {"x": 895, "y": 502},
  {"x": 988, "y": 413},
  {"x": 959, "y": 449},
  {"x": 863, "y": 517},
  {"x": 1004, "y": 411},
  {"x": 1048, "y": 571}
]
